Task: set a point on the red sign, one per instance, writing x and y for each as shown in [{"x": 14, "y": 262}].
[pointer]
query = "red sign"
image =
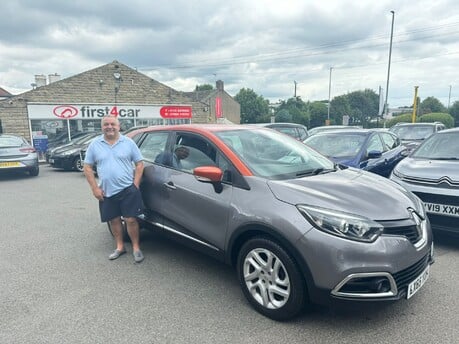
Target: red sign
[
  {"x": 218, "y": 107},
  {"x": 65, "y": 111},
  {"x": 175, "y": 112}
]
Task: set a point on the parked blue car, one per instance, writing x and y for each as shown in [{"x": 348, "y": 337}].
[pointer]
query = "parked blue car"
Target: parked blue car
[{"x": 372, "y": 150}]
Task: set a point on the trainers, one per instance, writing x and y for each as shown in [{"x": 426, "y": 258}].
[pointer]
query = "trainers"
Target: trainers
[
  {"x": 116, "y": 254},
  {"x": 138, "y": 256}
]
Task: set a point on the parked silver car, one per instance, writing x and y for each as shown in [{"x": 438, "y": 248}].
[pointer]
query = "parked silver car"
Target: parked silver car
[
  {"x": 432, "y": 173},
  {"x": 17, "y": 154},
  {"x": 296, "y": 226}
]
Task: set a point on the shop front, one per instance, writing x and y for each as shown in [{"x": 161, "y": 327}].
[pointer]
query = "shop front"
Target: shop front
[{"x": 60, "y": 123}]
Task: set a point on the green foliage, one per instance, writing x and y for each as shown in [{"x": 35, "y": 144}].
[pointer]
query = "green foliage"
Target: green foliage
[
  {"x": 454, "y": 111},
  {"x": 297, "y": 109},
  {"x": 339, "y": 107},
  {"x": 404, "y": 118},
  {"x": 445, "y": 118},
  {"x": 283, "y": 116},
  {"x": 204, "y": 87},
  {"x": 364, "y": 105},
  {"x": 431, "y": 105},
  {"x": 254, "y": 108},
  {"x": 318, "y": 113}
]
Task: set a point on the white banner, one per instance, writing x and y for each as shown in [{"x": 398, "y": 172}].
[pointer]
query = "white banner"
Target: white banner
[{"x": 94, "y": 111}]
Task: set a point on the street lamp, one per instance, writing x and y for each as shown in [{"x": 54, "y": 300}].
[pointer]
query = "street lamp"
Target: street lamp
[
  {"x": 388, "y": 65},
  {"x": 329, "y": 95}
]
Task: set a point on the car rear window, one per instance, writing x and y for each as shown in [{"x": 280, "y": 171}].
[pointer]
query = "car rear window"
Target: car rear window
[{"x": 10, "y": 141}]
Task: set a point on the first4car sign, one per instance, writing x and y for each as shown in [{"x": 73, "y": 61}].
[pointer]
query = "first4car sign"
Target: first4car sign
[{"x": 85, "y": 111}]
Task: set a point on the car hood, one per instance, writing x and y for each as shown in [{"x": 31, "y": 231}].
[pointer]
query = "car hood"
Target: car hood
[
  {"x": 351, "y": 190},
  {"x": 429, "y": 169}
]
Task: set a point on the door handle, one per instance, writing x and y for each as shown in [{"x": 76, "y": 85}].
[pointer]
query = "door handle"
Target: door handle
[{"x": 170, "y": 185}]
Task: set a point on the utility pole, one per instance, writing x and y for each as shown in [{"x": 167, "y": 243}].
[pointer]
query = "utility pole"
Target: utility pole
[
  {"x": 294, "y": 93},
  {"x": 329, "y": 96},
  {"x": 388, "y": 65},
  {"x": 415, "y": 103},
  {"x": 449, "y": 97}
]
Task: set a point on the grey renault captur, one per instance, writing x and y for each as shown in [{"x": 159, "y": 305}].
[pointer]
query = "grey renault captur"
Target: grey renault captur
[{"x": 296, "y": 226}]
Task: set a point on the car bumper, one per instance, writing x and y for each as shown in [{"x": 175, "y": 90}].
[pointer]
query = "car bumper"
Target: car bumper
[
  {"x": 440, "y": 199},
  {"x": 26, "y": 165},
  {"x": 343, "y": 269},
  {"x": 65, "y": 162}
]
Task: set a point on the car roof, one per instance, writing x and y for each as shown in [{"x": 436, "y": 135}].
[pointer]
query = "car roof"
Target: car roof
[{"x": 198, "y": 128}]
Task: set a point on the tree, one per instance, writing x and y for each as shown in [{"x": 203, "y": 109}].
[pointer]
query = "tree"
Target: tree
[
  {"x": 204, "y": 87},
  {"x": 297, "y": 109},
  {"x": 283, "y": 116},
  {"x": 317, "y": 114},
  {"x": 339, "y": 107},
  {"x": 364, "y": 105},
  {"x": 429, "y": 105},
  {"x": 454, "y": 111},
  {"x": 254, "y": 108}
]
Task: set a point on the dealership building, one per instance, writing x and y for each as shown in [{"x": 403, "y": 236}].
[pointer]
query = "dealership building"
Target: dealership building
[{"x": 76, "y": 104}]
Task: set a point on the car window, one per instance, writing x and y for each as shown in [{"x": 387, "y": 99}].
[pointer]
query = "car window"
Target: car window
[
  {"x": 288, "y": 131},
  {"x": 337, "y": 145},
  {"x": 153, "y": 144},
  {"x": 375, "y": 144},
  {"x": 390, "y": 141}
]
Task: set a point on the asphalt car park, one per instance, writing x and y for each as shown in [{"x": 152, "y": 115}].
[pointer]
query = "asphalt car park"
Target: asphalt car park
[{"x": 58, "y": 286}]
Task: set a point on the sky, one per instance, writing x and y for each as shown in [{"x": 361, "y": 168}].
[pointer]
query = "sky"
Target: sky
[{"x": 278, "y": 49}]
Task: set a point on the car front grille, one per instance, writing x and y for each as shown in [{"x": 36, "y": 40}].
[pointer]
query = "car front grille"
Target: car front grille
[
  {"x": 410, "y": 232},
  {"x": 443, "y": 182},
  {"x": 404, "y": 277}
]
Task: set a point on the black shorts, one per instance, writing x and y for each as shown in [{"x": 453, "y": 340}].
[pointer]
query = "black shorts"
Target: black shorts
[{"x": 126, "y": 203}]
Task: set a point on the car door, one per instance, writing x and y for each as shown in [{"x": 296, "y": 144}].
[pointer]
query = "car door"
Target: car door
[
  {"x": 393, "y": 153},
  {"x": 151, "y": 145},
  {"x": 191, "y": 208}
]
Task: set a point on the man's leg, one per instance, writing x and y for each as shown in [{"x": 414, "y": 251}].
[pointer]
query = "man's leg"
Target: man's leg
[
  {"x": 117, "y": 231},
  {"x": 133, "y": 231}
]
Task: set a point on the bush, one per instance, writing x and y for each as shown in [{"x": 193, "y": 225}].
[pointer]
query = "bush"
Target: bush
[{"x": 445, "y": 118}]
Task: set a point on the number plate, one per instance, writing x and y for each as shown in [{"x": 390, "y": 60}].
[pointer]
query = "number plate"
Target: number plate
[
  {"x": 442, "y": 209},
  {"x": 9, "y": 164},
  {"x": 414, "y": 286}
]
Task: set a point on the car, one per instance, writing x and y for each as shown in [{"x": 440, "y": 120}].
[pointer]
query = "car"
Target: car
[
  {"x": 372, "y": 150},
  {"x": 296, "y": 226},
  {"x": 298, "y": 131},
  {"x": 76, "y": 141},
  {"x": 17, "y": 154},
  {"x": 323, "y": 128},
  {"x": 432, "y": 173},
  {"x": 68, "y": 157},
  {"x": 412, "y": 134}
]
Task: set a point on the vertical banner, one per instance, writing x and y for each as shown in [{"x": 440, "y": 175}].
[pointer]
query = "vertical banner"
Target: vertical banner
[{"x": 218, "y": 107}]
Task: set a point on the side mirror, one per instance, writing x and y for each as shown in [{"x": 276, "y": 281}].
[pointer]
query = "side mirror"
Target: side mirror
[
  {"x": 374, "y": 154},
  {"x": 210, "y": 174}
]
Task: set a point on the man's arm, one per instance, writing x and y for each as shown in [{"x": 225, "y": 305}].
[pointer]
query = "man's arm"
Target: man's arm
[
  {"x": 89, "y": 174},
  {"x": 138, "y": 173}
]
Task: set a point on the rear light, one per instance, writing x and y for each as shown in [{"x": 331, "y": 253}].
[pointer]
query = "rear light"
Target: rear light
[{"x": 28, "y": 150}]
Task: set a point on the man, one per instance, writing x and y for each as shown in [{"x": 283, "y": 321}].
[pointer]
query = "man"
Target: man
[
  {"x": 118, "y": 189},
  {"x": 173, "y": 160}
]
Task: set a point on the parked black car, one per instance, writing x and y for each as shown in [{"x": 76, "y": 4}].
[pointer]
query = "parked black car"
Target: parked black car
[{"x": 68, "y": 157}]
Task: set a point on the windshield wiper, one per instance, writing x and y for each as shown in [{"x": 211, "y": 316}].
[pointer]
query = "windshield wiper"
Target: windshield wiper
[{"x": 315, "y": 172}]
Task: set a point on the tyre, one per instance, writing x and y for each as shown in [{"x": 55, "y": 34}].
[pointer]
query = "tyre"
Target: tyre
[
  {"x": 78, "y": 164},
  {"x": 126, "y": 237},
  {"x": 34, "y": 172},
  {"x": 270, "y": 279}
]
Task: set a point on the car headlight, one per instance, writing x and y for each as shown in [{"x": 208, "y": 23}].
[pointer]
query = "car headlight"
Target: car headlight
[
  {"x": 420, "y": 209},
  {"x": 342, "y": 224}
]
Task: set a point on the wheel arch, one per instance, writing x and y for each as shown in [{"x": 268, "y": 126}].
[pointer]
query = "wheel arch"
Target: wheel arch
[{"x": 247, "y": 232}]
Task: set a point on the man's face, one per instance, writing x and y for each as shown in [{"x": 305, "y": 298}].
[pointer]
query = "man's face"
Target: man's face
[
  {"x": 110, "y": 127},
  {"x": 182, "y": 153}
]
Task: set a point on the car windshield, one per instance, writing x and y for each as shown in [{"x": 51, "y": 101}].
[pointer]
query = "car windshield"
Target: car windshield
[
  {"x": 10, "y": 141},
  {"x": 413, "y": 132},
  {"x": 272, "y": 155},
  {"x": 444, "y": 146},
  {"x": 336, "y": 145}
]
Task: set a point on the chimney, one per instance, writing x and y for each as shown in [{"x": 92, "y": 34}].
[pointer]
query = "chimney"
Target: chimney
[
  {"x": 40, "y": 80},
  {"x": 219, "y": 85},
  {"x": 53, "y": 77}
]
